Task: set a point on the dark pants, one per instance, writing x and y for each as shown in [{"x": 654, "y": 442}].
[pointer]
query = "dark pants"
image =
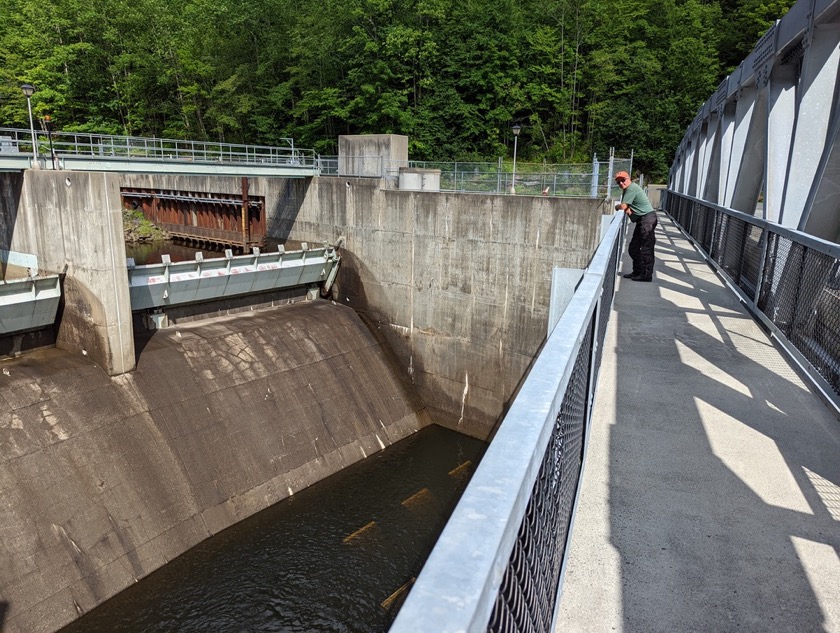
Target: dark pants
[{"x": 641, "y": 245}]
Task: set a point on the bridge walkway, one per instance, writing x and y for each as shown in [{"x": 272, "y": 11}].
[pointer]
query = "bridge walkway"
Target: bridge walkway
[{"x": 711, "y": 492}]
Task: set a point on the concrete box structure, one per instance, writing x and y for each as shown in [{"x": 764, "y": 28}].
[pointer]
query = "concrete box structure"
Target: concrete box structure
[{"x": 371, "y": 155}]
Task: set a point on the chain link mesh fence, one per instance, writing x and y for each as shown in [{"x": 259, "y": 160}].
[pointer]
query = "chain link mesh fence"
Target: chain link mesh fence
[
  {"x": 530, "y": 586},
  {"x": 791, "y": 279},
  {"x": 563, "y": 179},
  {"x": 526, "y": 598}
]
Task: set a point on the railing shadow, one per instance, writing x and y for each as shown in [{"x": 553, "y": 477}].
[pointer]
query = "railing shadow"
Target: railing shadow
[{"x": 715, "y": 447}]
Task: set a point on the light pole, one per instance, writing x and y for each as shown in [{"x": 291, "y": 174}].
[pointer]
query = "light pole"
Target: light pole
[
  {"x": 515, "y": 129},
  {"x": 28, "y": 91}
]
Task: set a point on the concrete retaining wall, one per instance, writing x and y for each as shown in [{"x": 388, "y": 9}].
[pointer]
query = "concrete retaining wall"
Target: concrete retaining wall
[
  {"x": 72, "y": 221},
  {"x": 103, "y": 480},
  {"x": 458, "y": 283}
]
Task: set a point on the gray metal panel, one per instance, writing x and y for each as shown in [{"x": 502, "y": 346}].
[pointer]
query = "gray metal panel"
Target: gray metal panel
[
  {"x": 28, "y": 304},
  {"x": 145, "y": 165},
  {"x": 814, "y": 113},
  {"x": 24, "y": 260},
  {"x": 161, "y": 285},
  {"x": 13, "y": 162}
]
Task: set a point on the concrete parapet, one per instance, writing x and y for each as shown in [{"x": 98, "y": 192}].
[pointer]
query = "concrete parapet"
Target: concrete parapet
[
  {"x": 459, "y": 283},
  {"x": 371, "y": 154}
]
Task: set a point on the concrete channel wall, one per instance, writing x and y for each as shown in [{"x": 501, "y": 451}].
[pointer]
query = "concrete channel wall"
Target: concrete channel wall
[
  {"x": 104, "y": 479},
  {"x": 72, "y": 221},
  {"x": 458, "y": 284}
]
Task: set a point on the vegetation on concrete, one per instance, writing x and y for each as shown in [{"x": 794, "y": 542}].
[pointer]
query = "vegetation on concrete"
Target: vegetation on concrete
[
  {"x": 579, "y": 76},
  {"x": 138, "y": 229}
]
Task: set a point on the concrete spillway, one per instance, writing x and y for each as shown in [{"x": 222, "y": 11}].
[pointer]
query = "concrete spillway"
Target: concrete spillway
[{"x": 104, "y": 479}]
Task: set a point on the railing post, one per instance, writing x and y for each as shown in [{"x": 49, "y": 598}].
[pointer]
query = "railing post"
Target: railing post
[{"x": 593, "y": 189}]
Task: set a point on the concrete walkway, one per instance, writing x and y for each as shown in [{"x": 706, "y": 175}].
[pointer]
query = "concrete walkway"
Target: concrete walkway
[{"x": 711, "y": 494}]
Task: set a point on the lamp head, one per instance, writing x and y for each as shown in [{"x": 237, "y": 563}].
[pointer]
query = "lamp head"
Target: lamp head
[
  {"x": 516, "y": 129},
  {"x": 28, "y": 90}
]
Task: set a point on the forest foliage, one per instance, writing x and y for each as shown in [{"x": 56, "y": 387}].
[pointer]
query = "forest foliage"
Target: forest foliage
[{"x": 579, "y": 76}]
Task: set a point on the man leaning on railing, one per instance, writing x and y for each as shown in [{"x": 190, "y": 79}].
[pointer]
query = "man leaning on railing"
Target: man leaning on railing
[{"x": 636, "y": 205}]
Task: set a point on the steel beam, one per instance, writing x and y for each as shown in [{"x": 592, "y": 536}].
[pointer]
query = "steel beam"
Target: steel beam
[{"x": 814, "y": 111}]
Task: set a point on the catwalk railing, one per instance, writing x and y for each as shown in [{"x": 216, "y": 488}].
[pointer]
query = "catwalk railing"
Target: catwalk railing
[
  {"x": 790, "y": 281},
  {"x": 54, "y": 146},
  {"x": 498, "y": 565}
]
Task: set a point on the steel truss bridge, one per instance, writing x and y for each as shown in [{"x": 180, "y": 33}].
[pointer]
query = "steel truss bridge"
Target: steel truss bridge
[{"x": 754, "y": 190}]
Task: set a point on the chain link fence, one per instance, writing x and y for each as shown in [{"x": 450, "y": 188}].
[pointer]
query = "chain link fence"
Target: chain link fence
[
  {"x": 593, "y": 179},
  {"x": 789, "y": 280}
]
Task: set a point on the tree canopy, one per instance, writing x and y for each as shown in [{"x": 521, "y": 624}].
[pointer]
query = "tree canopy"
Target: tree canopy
[{"x": 579, "y": 76}]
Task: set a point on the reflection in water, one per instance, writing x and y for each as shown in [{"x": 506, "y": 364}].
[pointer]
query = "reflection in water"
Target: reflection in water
[
  {"x": 150, "y": 252},
  {"x": 329, "y": 558}
]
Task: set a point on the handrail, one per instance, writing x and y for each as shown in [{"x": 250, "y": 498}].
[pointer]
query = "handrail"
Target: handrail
[
  {"x": 478, "y": 569},
  {"x": 789, "y": 280},
  {"x": 85, "y": 144}
]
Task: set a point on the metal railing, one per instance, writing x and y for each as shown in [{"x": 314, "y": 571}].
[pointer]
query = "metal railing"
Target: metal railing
[
  {"x": 573, "y": 179},
  {"x": 78, "y": 144},
  {"x": 499, "y": 562},
  {"x": 789, "y": 280},
  {"x": 176, "y": 283}
]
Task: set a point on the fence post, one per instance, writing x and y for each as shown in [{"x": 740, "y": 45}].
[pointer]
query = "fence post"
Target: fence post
[{"x": 593, "y": 190}]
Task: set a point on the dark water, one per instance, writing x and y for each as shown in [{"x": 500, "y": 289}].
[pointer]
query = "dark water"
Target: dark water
[
  {"x": 150, "y": 252},
  {"x": 330, "y": 558}
]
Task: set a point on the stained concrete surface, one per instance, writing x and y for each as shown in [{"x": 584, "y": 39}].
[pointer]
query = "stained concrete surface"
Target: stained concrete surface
[
  {"x": 104, "y": 479},
  {"x": 711, "y": 492}
]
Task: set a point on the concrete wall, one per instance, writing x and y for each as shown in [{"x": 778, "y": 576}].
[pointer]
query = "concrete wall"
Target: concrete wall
[
  {"x": 458, "y": 283},
  {"x": 72, "y": 221},
  {"x": 103, "y": 480},
  {"x": 371, "y": 154}
]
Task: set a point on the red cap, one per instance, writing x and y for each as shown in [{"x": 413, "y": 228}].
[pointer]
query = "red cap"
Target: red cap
[{"x": 622, "y": 174}]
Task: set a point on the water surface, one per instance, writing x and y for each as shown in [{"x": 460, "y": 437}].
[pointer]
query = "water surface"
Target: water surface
[{"x": 332, "y": 557}]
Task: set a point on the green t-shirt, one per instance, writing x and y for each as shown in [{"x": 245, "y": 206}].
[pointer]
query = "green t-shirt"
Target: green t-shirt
[{"x": 635, "y": 198}]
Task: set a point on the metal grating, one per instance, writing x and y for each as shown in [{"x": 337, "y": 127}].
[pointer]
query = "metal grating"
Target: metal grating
[
  {"x": 605, "y": 305},
  {"x": 803, "y": 301},
  {"x": 738, "y": 252},
  {"x": 798, "y": 275},
  {"x": 527, "y": 597}
]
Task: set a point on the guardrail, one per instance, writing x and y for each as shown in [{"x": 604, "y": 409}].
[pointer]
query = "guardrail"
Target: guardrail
[
  {"x": 78, "y": 144},
  {"x": 789, "y": 280},
  {"x": 572, "y": 179},
  {"x": 178, "y": 283},
  {"x": 499, "y": 563}
]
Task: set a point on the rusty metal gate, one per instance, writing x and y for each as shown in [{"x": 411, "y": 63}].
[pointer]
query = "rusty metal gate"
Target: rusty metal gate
[{"x": 222, "y": 219}]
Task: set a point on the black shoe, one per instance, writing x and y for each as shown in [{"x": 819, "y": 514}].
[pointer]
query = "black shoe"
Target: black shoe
[
  {"x": 641, "y": 278},
  {"x": 630, "y": 275}
]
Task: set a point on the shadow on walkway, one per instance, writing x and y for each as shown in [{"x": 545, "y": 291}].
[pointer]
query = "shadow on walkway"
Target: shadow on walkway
[{"x": 711, "y": 495}]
